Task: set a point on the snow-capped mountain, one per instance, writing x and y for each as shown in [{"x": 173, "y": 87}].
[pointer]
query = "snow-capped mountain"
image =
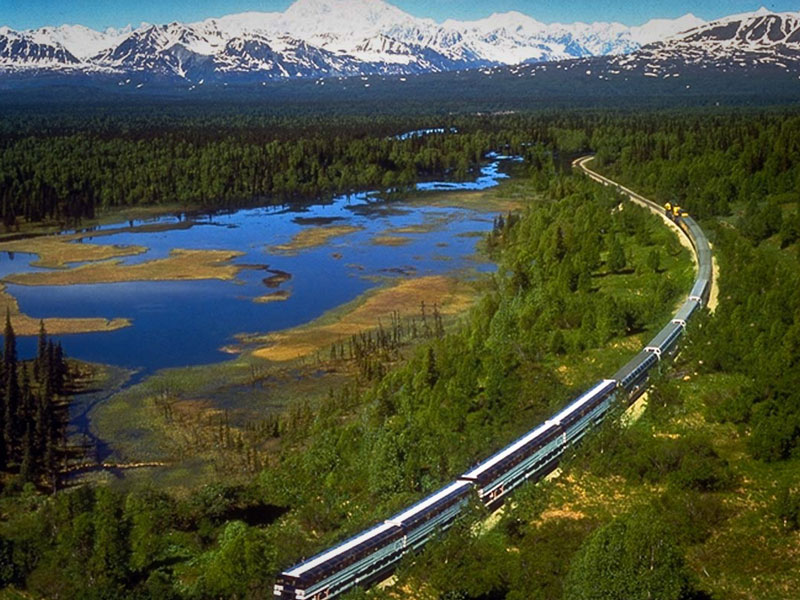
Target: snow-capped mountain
[
  {"x": 326, "y": 38},
  {"x": 26, "y": 49},
  {"x": 81, "y": 41},
  {"x": 760, "y": 30},
  {"x": 736, "y": 42},
  {"x": 663, "y": 29}
]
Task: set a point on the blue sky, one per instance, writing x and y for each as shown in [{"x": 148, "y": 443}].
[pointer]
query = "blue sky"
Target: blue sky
[{"x": 24, "y": 14}]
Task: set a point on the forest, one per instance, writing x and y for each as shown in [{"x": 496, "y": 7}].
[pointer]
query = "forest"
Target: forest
[
  {"x": 33, "y": 412},
  {"x": 668, "y": 486}
]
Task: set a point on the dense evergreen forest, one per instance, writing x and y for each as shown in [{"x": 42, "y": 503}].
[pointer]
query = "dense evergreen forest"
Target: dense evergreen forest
[
  {"x": 32, "y": 413},
  {"x": 364, "y": 452},
  {"x": 747, "y": 174},
  {"x": 67, "y": 168}
]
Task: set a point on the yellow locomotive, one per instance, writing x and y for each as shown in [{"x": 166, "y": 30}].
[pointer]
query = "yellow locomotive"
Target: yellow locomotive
[{"x": 673, "y": 211}]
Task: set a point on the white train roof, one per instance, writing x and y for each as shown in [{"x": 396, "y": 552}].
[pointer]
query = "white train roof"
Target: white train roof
[
  {"x": 507, "y": 451},
  {"x": 426, "y": 503},
  {"x": 532, "y": 435},
  {"x": 333, "y": 552},
  {"x": 585, "y": 399}
]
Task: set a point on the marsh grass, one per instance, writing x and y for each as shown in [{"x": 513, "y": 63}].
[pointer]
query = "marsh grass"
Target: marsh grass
[
  {"x": 179, "y": 265},
  {"x": 313, "y": 237},
  {"x": 25, "y": 325}
]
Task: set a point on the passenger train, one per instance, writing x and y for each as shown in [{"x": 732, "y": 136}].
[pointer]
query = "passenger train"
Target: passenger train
[{"x": 373, "y": 554}]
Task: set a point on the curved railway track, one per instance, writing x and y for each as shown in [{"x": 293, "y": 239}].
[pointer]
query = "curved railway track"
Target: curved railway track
[{"x": 373, "y": 554}]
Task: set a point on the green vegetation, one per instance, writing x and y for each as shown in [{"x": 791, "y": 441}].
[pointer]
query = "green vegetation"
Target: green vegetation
[
  {"x": 32, "y": 412},
  {"x": 69, "y": 176},
  {"x": 365, "y": 450},
  {"x": 698, "y": 498},
  {"x": 632, "y": 557}
]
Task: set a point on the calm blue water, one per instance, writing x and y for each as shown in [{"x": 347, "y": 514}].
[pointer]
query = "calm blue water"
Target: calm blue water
[{"x": 188, "y": 323}]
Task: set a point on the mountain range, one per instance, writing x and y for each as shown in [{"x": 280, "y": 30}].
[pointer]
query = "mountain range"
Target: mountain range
[{"x": 345, "y": 38}]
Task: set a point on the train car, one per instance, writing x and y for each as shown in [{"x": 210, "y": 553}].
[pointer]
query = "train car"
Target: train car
[
  {"x": 700, "y": 291},
  {"x": 371, "y": 554},
  {"x": 359, "y": 559},
  {"x": 536, "y": 453},
  {"x": 632, "y": 378},
  {"x": 531, "y": 456},
  {"x": 434, "y": 513},
  {"x": 665, "y": 341},
  {"x": 686, "y": 311},
  {"x": 586, "y": 411}
]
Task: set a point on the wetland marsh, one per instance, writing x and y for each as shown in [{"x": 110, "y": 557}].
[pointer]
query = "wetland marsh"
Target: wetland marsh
[
  {"x": 177, "y": 290},
  {"x": 267, "y": 286}
]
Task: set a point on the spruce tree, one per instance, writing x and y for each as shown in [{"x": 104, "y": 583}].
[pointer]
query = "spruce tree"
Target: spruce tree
[
  {"x": 3, "y": 452},
  {"x": 41, "y": 349},
  {"x": 27, "y": 469},
  {"x": 41, "y": 420},
  {"x": 11, "y": 421},
  {"x": 49, "y": 464},
  {"x": 10, "y": 343},
  {"x": 616, "y": 257},
  {"x": 60, "y": 369},
  {"x": 11, "y": 392},
  {"x": 429, "y": 368}
]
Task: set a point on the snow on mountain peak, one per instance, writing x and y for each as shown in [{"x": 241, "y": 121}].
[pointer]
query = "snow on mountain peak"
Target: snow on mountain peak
[
  {"x": 661, "y": 29},
  {"x": 239, "y": 24},
  {"x": 341, "y": 17},
  {"x": 510, "y": 21},
  {"x": 356, "y": 37},
  {"x": 763, "y": 11},
  {"x": 79, "y": 40}
]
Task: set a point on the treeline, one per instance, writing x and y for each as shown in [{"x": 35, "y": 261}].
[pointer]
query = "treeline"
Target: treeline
[
  {"x": 33, "y": 420},
  {"x": 69, "y": 178},
  {"x": 67, "y": 169},
  {"x": 710, "y": 165}
]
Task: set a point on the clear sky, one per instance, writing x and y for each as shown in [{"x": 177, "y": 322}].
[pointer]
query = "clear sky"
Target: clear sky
[{"x": 25, "y": 14}]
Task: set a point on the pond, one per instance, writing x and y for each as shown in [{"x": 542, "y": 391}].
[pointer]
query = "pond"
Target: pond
[{"x": 365, "y": 240}]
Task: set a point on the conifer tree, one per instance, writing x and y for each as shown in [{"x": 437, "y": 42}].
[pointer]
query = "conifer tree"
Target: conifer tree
[
  {"x": 10, "y": 343},
  {"x": 430, "y": 369},
  {"x": 27, "y": 469},
  {"x": 11, "y": 392},
  {"x": 59, "y": 369},
  {"x": 3, "y": 453},
  {"x": 41, "y": 349},
  {"x": 11, "y": 419},
  {"x": 42, "y": 421},
  {"x": 616, "y": 257}
]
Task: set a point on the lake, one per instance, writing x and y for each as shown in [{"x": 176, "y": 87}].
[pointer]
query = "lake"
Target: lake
[{"x": 178, "y": 323}]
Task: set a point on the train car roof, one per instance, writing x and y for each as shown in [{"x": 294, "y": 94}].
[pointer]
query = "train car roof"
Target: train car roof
[
  {"x": 634, "y": 364},
  {"x": 319, "y": 559},
  {"x": 425, "y": 503},
  {"x": 686, "y": 310},
  {"x": 507, "y": 451},
  {"x": 663, "y": 336},
  {"x": 699, "y": 287},
  {"x": 584, "y": 399}
]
